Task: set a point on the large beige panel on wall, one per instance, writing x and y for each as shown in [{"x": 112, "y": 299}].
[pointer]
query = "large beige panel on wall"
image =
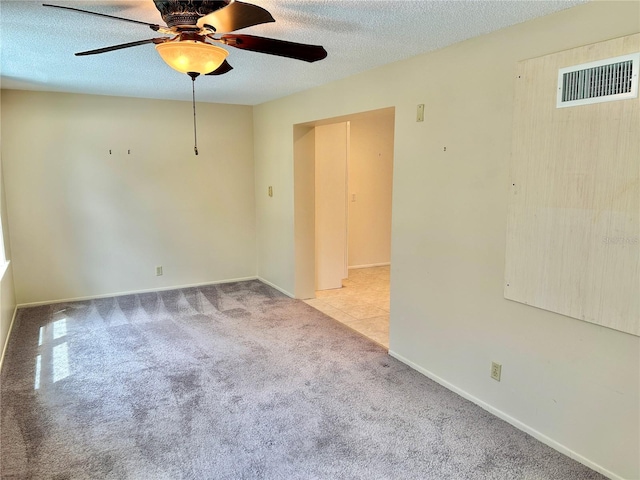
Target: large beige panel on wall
[
  {"x": 573, "y": 220},
  {"x": 331, "y": 209}
]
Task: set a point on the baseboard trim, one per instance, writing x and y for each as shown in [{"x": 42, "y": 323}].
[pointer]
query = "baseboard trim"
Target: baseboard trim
[
  {"x": 6, "y": 340},
  {"x": 371, "y": 265},
  {"x": 509, "y": 419},
  {"x": 282, "y": 290},
  {"x": 134, "y": 292}
]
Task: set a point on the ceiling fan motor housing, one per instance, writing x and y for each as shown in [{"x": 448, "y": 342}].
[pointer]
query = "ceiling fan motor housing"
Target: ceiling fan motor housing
[{"x": 187, "y": 12}]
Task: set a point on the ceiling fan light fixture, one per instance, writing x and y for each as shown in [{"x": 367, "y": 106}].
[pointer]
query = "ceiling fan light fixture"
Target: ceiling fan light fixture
[{"x": 192, "y": 56}]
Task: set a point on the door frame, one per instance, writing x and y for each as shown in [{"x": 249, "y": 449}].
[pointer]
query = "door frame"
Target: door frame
[{"x": 304, "y": 200}]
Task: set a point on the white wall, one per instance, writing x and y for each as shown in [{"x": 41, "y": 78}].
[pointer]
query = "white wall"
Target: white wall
[
  {"x": 85, "y": 223},
  {"x": 573, "y": 382},
  {"x": 371, "y": 181}
]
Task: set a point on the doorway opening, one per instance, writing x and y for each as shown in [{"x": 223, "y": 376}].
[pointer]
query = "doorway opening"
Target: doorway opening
[{"x": 343, "y": 176}]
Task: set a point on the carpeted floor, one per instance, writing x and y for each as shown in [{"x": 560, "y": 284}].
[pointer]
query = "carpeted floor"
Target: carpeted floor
[{"x": 236, "y": 381}]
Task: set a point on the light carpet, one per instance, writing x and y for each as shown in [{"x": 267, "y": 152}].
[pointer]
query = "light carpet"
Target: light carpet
[{"x": 236, "y": 381}]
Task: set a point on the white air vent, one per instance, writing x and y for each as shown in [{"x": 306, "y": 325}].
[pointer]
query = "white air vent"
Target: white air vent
[{"x": 601, "y": 81}]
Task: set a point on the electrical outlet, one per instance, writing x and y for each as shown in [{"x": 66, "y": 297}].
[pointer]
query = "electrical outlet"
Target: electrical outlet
[
  {"x": 496, "y": 370},
  {"x": 159, "y": 271}
]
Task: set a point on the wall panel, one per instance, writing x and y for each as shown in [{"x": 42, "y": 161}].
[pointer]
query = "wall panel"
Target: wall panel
[{"x": 574, "y": 205}]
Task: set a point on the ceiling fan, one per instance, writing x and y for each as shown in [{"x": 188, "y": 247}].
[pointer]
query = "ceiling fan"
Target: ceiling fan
[{"x": 195, "y": 28}]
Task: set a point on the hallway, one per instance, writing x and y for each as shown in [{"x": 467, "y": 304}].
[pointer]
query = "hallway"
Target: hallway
[{"x": 362, "y": 303}]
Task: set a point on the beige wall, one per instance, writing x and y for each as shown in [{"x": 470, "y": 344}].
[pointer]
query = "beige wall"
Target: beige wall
[
  {"x": 573, "y": 384},
  {"x": 305, "y": 211},
  {"x": 85, "y": 223},
  {"x": 332, "y": 146},
  {"x": 7, "y": 294},
  {"x": 371, "y": 181}
]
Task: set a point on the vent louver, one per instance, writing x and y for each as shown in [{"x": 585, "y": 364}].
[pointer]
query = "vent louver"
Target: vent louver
[{"x": 602, "y": 81}]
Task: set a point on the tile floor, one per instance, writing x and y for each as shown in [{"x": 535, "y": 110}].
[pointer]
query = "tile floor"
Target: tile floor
[{"x": 362, "y": 303}]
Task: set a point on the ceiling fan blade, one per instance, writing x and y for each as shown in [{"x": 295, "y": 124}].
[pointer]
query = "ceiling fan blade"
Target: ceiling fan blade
[
  {"x": 152, "y": 26},
  {"x": 121, "y": 46},
  {"x": 222, "y": 69},
  {"x": 271, "y": 46},
  {"x": 235, "y": 16}
]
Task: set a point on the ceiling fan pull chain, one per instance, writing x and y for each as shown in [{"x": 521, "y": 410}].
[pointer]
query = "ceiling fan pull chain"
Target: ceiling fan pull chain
[{"x": 193, "y": 76}]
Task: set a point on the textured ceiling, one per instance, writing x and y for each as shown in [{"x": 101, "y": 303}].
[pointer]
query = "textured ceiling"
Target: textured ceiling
[{"x": 38, "y": 43}]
